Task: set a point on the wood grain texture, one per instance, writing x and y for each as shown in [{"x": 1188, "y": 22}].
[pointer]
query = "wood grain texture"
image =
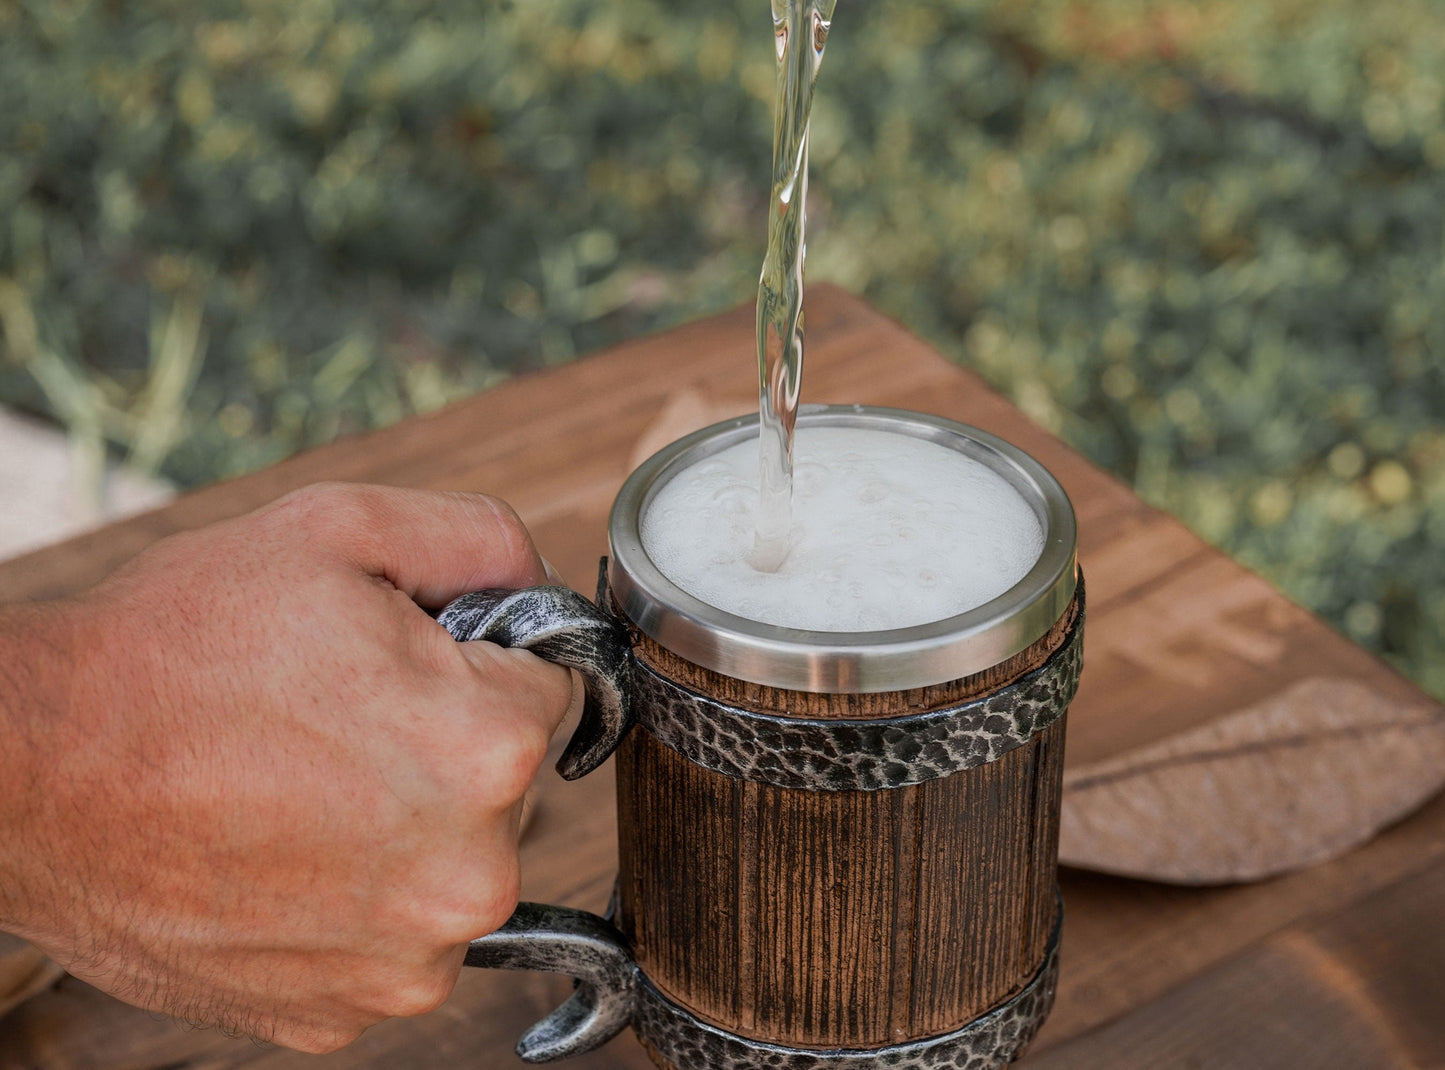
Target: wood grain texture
[
  {"x": 1361, "y": 989},
  {"x": 1178, "y": 636},
  {"x": 1128, "y": 943},
  {"x": 839, "y": 919}
]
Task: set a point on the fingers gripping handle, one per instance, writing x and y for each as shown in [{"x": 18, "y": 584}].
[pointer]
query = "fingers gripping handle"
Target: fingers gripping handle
[
  {"x": 558, "y": 624},
  {"x": 561, "y": 626},
  {"x": 572, "y": 942}
]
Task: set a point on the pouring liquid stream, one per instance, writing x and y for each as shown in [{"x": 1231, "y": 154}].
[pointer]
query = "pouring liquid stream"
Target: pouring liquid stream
[{"x": 800, "y": 32}]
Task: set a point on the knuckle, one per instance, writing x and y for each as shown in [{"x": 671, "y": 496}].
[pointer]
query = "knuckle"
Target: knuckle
[
  {"x": 514, "y": 758},
  {"x": 330, "y": 507},
  {"x": 488, "y": 899},
  {"x": 509, "y": 535},
  {"x": 422, "y": 994},
  {"x": 499, "y": 900},
  {"x": 508, "y": 519},
  {"x": 315, "y": 497},
  {"x": 528, "y": 750}
]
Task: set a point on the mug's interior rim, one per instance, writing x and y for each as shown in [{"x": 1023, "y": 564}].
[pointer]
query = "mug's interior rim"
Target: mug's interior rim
[{"x": 801, "y": 659}]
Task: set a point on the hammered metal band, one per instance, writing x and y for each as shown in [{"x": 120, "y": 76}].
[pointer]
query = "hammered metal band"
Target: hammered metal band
[
  {"x": 986, "y": 1043},
  {"x": 864, "y": 755}
]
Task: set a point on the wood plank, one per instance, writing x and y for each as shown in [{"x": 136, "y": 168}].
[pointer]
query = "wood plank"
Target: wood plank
[
  {"x": 1361, "y": 989},
  {"x": 1128, "y": 942},
  {"x": 1177, "y": 635}
]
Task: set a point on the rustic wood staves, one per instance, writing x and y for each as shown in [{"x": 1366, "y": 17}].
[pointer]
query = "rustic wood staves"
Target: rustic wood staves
[
  {"x": 839, "y": 919},
  {"x": 1338, "y": 964}
]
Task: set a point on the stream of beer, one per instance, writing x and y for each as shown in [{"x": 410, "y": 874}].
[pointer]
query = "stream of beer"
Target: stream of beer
[{"x": 800, "y": 31}]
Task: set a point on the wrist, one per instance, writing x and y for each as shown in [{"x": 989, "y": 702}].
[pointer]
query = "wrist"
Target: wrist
[{"x": 38, "y": 662}]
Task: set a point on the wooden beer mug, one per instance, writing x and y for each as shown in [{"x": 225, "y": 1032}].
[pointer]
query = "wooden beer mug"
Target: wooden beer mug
[{"x": 838, "y": 850}]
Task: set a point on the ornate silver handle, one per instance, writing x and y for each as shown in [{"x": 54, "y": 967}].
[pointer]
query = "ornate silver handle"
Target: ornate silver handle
[
  {"x": 581, "y": 945},
  {"x": 560, "y": 625}
]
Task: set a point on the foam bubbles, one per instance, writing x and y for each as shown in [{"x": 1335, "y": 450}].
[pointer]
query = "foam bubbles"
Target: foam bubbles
[{"x": 888, "y": 531}]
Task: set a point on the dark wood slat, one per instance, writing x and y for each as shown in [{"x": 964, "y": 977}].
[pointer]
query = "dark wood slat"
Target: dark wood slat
[
  {"x": 868, "y": 918},
  {"x": 690, "y": 935}
]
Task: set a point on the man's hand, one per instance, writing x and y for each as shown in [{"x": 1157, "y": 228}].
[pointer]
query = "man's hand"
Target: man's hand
[{"x": 248, "y": 781}]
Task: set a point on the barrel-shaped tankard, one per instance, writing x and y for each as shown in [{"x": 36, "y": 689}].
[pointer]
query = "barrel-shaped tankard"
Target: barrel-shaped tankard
[{"x": 837, "y": 850}]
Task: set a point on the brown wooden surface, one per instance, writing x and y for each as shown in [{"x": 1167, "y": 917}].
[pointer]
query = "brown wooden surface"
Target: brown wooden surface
[{"x": 1336, "y": 966}]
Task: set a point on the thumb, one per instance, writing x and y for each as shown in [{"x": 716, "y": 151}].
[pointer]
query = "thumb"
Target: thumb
[{"x": 432, "y": 545}]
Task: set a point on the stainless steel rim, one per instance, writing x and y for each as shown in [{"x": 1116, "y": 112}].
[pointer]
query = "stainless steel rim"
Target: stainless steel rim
[{"x": 846, "y": 662}]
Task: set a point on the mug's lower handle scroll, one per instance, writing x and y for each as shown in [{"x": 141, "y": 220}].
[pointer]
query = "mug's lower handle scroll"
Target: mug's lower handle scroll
[{"x": 580, "y": 945}]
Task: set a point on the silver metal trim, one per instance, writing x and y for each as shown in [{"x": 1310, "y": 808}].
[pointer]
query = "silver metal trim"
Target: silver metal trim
[
  {"x": 873, "y": 754},
  {"x": 846, "y": 662}
]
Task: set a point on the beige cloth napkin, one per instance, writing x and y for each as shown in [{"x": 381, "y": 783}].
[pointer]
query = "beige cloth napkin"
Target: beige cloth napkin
[{"x": 24, "y": 972}]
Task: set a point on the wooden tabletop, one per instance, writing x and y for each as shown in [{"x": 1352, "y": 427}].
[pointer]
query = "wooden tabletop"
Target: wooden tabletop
[{"x": 1341, "y": 965}]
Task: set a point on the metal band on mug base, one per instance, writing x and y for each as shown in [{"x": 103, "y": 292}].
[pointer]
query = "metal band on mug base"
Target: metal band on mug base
[
  {"x": 860, "y": 755},
  {"x": 986, "y": 1043}
]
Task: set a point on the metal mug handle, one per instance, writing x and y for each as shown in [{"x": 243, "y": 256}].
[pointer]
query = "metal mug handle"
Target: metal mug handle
[{"x": 560, "y": 625}]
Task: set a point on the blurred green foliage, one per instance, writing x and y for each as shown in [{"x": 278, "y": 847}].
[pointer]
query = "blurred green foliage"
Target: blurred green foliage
[{"x": 1203, "y": 240}]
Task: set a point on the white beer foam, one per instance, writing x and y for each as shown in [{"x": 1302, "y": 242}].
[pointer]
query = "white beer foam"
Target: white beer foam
[{"x": 889, "y": 531}]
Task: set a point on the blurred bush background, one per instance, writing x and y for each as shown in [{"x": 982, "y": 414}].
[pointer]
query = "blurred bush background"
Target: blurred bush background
[{"x": 1201, "y": 240}]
